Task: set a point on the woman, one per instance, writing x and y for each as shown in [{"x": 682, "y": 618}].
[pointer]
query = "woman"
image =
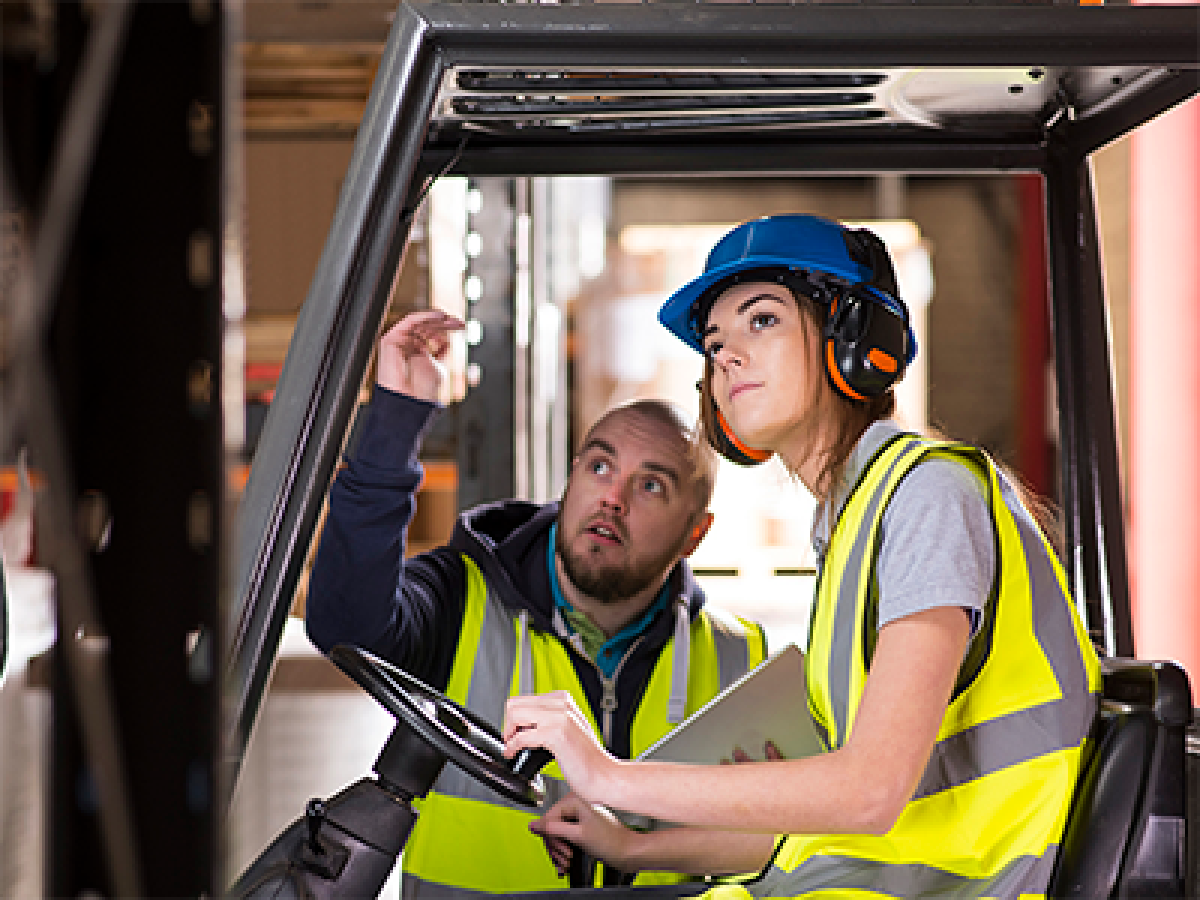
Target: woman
[{"x": 946, "y": 665}]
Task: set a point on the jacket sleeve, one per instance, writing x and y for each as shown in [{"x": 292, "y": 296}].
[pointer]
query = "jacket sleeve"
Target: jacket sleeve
[{"x": 361, "y": 590}]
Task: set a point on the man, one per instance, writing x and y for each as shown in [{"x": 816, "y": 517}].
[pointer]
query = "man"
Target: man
[{"x": 589, "y": 595}]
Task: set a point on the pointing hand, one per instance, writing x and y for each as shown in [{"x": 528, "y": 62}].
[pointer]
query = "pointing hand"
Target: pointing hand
[{"x": 412, "y": 353}]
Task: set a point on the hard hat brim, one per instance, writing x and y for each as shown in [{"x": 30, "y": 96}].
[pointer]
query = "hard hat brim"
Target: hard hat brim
[{"x": 676, "y": 314}]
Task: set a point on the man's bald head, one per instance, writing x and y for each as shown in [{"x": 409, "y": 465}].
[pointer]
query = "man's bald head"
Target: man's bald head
[{"x": 678, "y": 432}]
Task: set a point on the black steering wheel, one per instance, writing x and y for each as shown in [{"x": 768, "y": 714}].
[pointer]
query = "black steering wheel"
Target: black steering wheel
[{"x": 471, "y": 743}]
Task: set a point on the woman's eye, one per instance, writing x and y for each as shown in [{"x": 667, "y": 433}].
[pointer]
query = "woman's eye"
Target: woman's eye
[
  {"x": 713, "y": 349},
  {"x": 600, "y": 467},
  {"x": 763, "y": 320},
  {"x": 652, "y": 486}
]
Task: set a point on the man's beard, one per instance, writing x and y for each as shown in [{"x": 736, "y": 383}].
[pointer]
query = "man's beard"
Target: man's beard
[{"x": 609, "y": 584}]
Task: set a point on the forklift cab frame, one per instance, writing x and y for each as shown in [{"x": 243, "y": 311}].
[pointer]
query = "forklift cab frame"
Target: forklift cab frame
[{"x": 758, "y": 90}]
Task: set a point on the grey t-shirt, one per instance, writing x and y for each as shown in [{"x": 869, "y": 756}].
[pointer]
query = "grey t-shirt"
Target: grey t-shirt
[{"x": 937, "y": 546}]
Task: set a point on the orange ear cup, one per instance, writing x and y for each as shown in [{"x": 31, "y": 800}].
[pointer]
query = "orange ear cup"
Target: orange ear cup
[
  {"x": 735, "y": 450},
  {"x": 835, "y": 374}
]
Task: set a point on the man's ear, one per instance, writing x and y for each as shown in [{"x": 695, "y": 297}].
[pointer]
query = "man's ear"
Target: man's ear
[{"x": 699, "y": 530}]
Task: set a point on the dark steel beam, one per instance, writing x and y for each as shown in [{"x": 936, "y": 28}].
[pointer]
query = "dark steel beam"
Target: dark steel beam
[
  {"x": 751, "y": 154},
  {"x": 1178, "y": 86},
  {"x": 329, "y": 351},
  {"x": 742, "y": 36},
  {"x": 119, "y": 330},
  {"x": 49, "y": 153},
  {"x": 1094, "y": 513}
]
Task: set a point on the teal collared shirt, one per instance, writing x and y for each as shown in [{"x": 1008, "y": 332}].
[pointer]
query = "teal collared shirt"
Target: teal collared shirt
[{"x": 609, "y": 653}]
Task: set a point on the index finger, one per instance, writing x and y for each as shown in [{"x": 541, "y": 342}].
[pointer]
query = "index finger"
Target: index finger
[{"x": 427, "y": 324}]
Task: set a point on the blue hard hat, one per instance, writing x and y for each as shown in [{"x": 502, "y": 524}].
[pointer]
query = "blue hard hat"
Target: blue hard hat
[{"x": 802, "y": 243}]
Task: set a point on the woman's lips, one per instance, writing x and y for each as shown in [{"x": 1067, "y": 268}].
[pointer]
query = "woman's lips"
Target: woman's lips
[{"x": 742, "y": 387}]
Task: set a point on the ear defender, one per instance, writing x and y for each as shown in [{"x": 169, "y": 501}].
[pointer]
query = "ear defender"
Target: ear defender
[
  {"x": 867, "y": 346},
  {"x": 730, "y": 446}
]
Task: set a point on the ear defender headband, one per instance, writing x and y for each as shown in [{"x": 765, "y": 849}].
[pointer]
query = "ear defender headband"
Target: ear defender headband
[
  {"x": 867, "y": 335},
  {"x": 867, "y": 341}
]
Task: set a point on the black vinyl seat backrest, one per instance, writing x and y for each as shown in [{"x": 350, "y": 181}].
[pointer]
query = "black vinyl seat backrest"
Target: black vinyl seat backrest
[{"x": 1126, "y": 833}]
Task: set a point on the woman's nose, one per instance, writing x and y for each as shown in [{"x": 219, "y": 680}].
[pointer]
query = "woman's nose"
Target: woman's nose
[{"x": 727, "y": 356}]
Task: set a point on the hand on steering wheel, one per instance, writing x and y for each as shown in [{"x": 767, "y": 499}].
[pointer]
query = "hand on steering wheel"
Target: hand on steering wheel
[{"x": 471, "y": 743}]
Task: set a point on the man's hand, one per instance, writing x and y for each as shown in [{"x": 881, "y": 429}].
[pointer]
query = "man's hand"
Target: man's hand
[{"x": 412, "y": 353}]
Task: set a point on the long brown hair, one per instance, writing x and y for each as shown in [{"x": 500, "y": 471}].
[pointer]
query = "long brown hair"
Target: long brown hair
[{"x": 852, "y": 416}]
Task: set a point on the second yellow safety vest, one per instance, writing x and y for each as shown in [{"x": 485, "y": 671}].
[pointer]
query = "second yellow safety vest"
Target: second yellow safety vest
[
  {"x": 470, "y": 841},
  {"x": 989, "y": 813}
]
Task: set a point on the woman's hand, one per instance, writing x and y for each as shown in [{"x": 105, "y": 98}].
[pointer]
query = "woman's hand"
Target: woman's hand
[
  {"x": 555, "y": 722},
  {"x": 573, "y": 823},
  {"x": 770, "y": 752},
  {"x": 413, "y": 351}
]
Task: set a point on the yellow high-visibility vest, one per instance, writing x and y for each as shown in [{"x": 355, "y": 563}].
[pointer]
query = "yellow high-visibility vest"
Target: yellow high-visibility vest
[
  {"x": 470, "y": 840},
  {"x": 989, "y": 813}
]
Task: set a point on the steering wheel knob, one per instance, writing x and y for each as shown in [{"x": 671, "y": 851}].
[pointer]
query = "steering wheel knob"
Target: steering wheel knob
[{"x": 531, "y": 760}]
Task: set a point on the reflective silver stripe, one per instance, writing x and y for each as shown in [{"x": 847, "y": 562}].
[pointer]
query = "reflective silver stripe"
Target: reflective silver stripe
[
  {"x": 732, "y": 642},
  {"x": 492, "y": 672},
  {"x": 1052, "y": 626},
  {"x": 733, "y": 658},
  {"x": 556, "y": 789},
  {"x": 1001, "y": 743},
  {"x": 1029, "y": 733},
  {"x": 1023, "y": 875},
  {"x": 500, "y": 643},
  {"x": 846, "y": 614},
  {"x": 525, "y": 678},
  {"x": 487, "y": 693}
]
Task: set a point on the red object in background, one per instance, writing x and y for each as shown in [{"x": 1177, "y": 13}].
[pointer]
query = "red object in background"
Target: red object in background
[
  {"x": 261, "y": 378},
  {"x": 9, "y": 489}
]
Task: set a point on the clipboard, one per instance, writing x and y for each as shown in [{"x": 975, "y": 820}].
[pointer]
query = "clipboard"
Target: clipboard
[{"x": 770, "y": 702}]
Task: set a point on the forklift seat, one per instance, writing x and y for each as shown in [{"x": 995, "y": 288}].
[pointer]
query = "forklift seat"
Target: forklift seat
[{"x": 1126, "y": 828}]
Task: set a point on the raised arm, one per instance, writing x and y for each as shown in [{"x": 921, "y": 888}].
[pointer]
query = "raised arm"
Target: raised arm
[{"x": 361, "y": 590}]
